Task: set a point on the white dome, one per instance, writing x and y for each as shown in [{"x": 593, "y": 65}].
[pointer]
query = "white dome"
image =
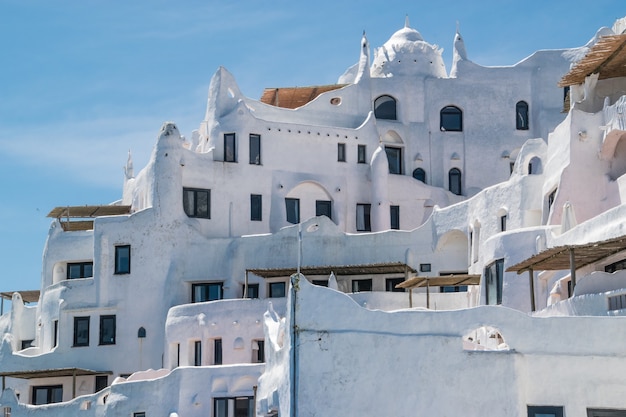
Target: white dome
[{"x": 406, "y": 53}]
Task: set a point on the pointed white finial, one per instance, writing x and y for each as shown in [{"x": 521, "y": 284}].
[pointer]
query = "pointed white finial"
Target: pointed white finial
[
  {"x": 457, "y": 26},
  {"x": 406, "y": 21},
  {"x": 128, "y": 169}
]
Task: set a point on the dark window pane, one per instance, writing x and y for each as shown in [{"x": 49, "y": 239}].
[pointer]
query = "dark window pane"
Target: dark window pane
[
  {"x": 394, "y": 158},
  {"x": 292, "y": 206},
  {"x": 255, "y": 149},
  {"x": 206, "y": 292},
  {"x": 107, "y": 330},
  {"x": 253, "y": 290},
  {"x": 451, "y": 119},
  {"x": 197, "y": 202},
  {"x": 256, "y": 207},
  {"x": 277, "y": 289},
  {"x": 230, "y": 151},
  {"x": 341, "y": 152},
  {"x": 102, "y": 381},
  {"x": 390, "y": 284},
  {"x": 385, "y": 108},
  {"x": 454, "y": 179},
  {"x": 363, "y": 223},
  {"x": 395, "y": 217},
  {"x": 419, "y": 174},
  {"x": 323, "y": 208},
  {"x": 361, "y": 154},
  {"x": 359, "y": 285},
  {"x": 521, "y": 115},
  {"x": 197, "y": 353},
  {"x": 81, "y": 331},
  {"x": 217, "y": 352}
]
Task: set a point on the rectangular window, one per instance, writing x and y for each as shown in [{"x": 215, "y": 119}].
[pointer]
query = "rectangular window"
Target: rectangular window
[
  {"x": 256, "y": 207},
  {"x": 102, "y": 381},
  {"x": 277, "y": 289},
  {"x": 122, "y": 259},
  {"x": 209, "y": 291},
  {"x": 177, "y": 354},
  {"x": 197, "y": 202},
  {"x": 394, "y": 211},
  {"x": 230, "y": 149},
  {"x": 341, "y": 152},
  {"x": 255, "y": 149},
  {"x": 217, "y": 351},
  {"x": 363, "y": 223},
  {"x": 494, "y": 275},
  {"x": 323, "y": 208},
  {"x": 81, "y": 331},
  {"x": 47, "y": 394},
  {"x": 425, "y": 268},
  {"x": 55, "y": 334},
  {"x": 456, "y": 288},
  {"x": 616, "y": 266},
  {"x": 139, "y": 414},
  {"x": 27, "y": 343},
  {"x": 390, "y": 284},
  {"x": 394, "y": 158},
  {"x": 233, "y": 407},
  {"x": 605, "y": 412},
  {"x": 107, "y": 330},
  {"x": 292, "y": 206},
  {"x": 503, "y": 223},
  {"x": 77, "y": 270},
  {"x": 253, "y": 290},
  {"x": 258, "y": 351},
  {"x": 361, "y": 156},
  {"x": 320, "y": 282},
  {"x": 359, "y": 285},
  {"x": 197, "y": 353},
  {"x": 544, "y": 411}
]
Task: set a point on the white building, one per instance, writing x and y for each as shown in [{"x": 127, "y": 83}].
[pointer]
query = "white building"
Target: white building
[{"x": 401, "y": 176}]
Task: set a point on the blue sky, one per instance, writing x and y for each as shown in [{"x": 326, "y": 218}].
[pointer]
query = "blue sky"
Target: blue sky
[{"x": 82, "y": 82}]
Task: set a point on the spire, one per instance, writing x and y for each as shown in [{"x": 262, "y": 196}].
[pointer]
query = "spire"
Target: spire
[
  {"x": 459, "y": 53},
  {"x": 406, "y": 21},
  {"x": 364, "y": 60},
  {"x": 128, "y": 169}
]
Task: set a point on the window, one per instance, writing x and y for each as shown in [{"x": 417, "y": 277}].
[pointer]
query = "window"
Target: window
[
  {"x": 493, "y": 279},
  {"x": 544, "y": 411},
  {"x": 363, "y": 223},
  {"x": 107, "y": 330},
  {"x": 217, "y": 351},
  {"x": 255, "y": 149},
  {"x": 361, "y": 156},
  {"x": 385, "y": 108},
  {"x": 256, "y": 207},
  {"x": 122, "y": 259},
  {"x": 451, "y": 119},
  {"x": 454, "y": 181},
  {"x": 277, "y": 289},
  {"x": 139, "y": 414},
  {"x": 81, "y": 331},
  {"x": 253, "y": 290},
  {"x": 394, "y": 211},
  {"x": 197, "y": 202},
  {"x": 258, "y": 351},
  {"x": 503, "y": 223},
  {"x": 230, "y": 149},
  {"x": 47, "y": 394},
  {"x": 55, "y": 334},
  {"x": 208, "y": 291},
  {"x": 197, "y": 353},
  {"x": 425, "y": 267},
  {"x": 359, "y": 285},
  {"x": 455, "y": 288},
  {"x": 616, "y": 266},
  {"x": 390, "y": 284},
  {"x": 323, "y": 208},
  {"x": 419, "y": 174},
  {"x": 521, "y": 115},
  {"x": 605, "y": 412},
  {"x": 239, "y": 407},
  {"x": 320, "y": 282},
  {"x": 551, "y": 198},
  {"x": 102, "y": 381},
  {"x": 394, "y": 158},
  {"x": 25, "y": 344},
  {"x": 79, "y": 270},
  {"x": 292, "y": 206},
  {"x": 341, "y": 152}
]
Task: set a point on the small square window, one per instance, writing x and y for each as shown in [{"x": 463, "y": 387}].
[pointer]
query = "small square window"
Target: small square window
[
  {"x": 359, "y": 285},
  {"x": 81, "y": 331},
  {"x": 256, "y": 207},
  {"x": 341, "y": 152},
  {"x": 323, "y": 208},
  {"x": 253, "y": 290},
  {"x": 102, "y": 381},
  {"x": 544, "y": 411},
  {"x": 361, "y": 157},
  {"x": 277, "y": 289},
  {"x": 424, "y": 267},
  {"x": 122, "y": 259},
  {"x": 197, "y": 202},
  {"x": 391, "y": 283},
  {"x": 107, "y": 330}
]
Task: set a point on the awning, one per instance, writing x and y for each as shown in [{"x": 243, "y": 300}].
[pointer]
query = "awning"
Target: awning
[
  {"x": 606, "y": 58},
  {"x": 342, "y": 270},
  {"x": 88, "y": 211},
  {"x": 52, "y": 373},
  {"x": 558, "y": 258},
  {"x": 29, "y": 296},
  {"x": 441, "y": 281}
]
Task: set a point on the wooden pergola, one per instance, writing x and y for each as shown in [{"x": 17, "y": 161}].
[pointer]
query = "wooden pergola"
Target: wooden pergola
[
  {"x": 64, "y": 214},
  {"x": 452, "y": 280},
  {"x": 52, "y": 373},
  {"x": 607, "y": 58},
  {"x": 28, "y": 296}
]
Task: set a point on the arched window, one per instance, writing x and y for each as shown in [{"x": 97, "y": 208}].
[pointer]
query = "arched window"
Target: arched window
[
  {"x": 454, "y": 181},
  {"x": 451, "y": 119},
  {"x": 521, "y": 115},
  {"x": 534, "y": 166},
  {"x": 419, "y": 174},
  {"x": 385, "y": 108}
]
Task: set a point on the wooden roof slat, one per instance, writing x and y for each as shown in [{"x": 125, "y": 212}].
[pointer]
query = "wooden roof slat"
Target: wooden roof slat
[
  {"x": 381, "y": 268},
  {"x": 88, "y": 211},
  {"x": 606, "y": 58},
  {"x": 52, "y": 373},
  {"x": 29, "y": 296},
  {"x": 441, "y": 281}
]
